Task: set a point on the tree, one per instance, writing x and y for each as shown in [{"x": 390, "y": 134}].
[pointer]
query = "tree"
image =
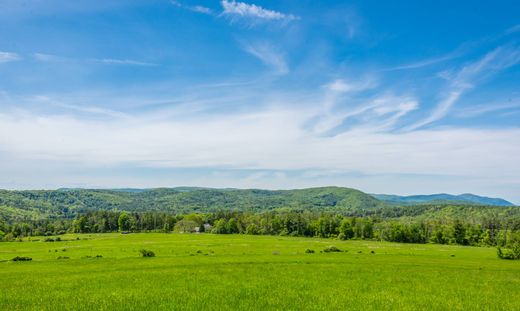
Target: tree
[
  {"x": 232, "y": 226},
  {"x": 252, "y": 229},
  {"x": 186, "y": 226},
  {"x": 345, "y": 229},
  {"x": 124, "y": 222},
  {"x": 80, "y": 224},
  {"x": 220, "y": 226},
  {"x": 459, "y": 233}
]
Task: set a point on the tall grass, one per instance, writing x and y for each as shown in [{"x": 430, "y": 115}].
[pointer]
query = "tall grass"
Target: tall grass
[{"x": 237, "y": 272}]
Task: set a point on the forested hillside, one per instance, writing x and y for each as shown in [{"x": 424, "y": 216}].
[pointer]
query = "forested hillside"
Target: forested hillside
[
  {"x": 67, "y": 203},
  {"x": 325, "y": 212},
  {"x": 442, "y": 198}
]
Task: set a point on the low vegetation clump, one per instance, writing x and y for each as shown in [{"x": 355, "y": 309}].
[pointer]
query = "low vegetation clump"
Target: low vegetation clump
[
  {"x": 332, "y": 249},
  {"x": 512, "y": 249},
  {"x": 63, "y": 257},
  {"x": 57, "y": 239},
  {"x": 309, "y": 251},
  {"x": 21, "y": 258},
  {"x": 506, "y": 253},
  {"x": 146, "y": 253}
]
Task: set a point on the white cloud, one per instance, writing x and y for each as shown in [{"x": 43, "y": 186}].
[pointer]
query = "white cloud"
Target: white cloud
[
  {"x": 243, "y": 10},
  {"x": 43, "y": 57},
  {"x": 425, "y": 63},
  {"x": 195, "y": 8},
  {"x": 275, "y": 140},
  {"x": 478, "y": 110},
  {"x": 202, "y": 9},
  {"x": 6, "y": 57},
  {"x": 459, "y": 82},
  {"x": 269, "y": 56},
  {"x": 342, "y": 86},
  {"x": 513, "y": 29},
  {"x": 112, "y": 61}
]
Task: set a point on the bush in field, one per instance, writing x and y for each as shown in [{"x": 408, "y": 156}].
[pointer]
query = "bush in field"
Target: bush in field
[
  {"x": 331, "y": 249},
  {"x": 146, "y": 253},
  {"x": 513, "y": 252},
  {"x": 20, "y": 258},
  {"x": 309, "y": 251}
]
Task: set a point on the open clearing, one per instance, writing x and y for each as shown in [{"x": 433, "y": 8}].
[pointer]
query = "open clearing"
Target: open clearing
[{"x": 241, "y": 272}]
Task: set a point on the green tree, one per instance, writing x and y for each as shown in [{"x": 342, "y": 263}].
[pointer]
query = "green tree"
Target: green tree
[
  {"x": 459, "y": 233},
  {"x": 124, "y": 223},
  {"x": 232, "y": 226},
  {"x": 220, "y": 226},
  {"x": 346, "y": 231}
]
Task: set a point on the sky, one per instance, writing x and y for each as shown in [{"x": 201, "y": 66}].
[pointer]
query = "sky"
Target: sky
[{"x": 401, "y": 97}]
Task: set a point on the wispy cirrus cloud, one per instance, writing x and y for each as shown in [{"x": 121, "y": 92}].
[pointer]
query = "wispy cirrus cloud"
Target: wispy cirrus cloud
[
  {"x": 43, "y": 57},
  {"x": 424, "y": 63},
  {"x": 513, "y": 29},
  {"x": 487, "y": 108},
  {"x": 242, "y": 10},
  {"x": 343, "y": 86},
  {"x": 269, "y": 55},
  {"x": 467, "y": 77},
  {"x": 194, "y": 8},
  {"x": 6, "y": 57},
  {"x": 114, "y": 61}
]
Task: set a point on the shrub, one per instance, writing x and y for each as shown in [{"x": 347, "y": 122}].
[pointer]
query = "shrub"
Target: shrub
[
  {"x": 309, "y": 251},
  {"x": 20, "y": 258},
  {"x": 511, "y": 254},
  {"x": 48, "y": 240},
  {"x": 146, "y": 253},
  {"x": 331, "y": 249},
  {"x": 63, "y": 257}
]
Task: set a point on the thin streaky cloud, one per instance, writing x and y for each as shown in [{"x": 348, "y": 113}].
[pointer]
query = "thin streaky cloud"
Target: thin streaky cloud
[
  {"x": 195, "y": 8},
  {"x": 201, "y": 9},
  {"x": 43, "y": 57},
  {"x": 482, "y": 109},
  {"x": 244, "y": 10},
  {"x": 424, "y": 63},
  {"x": 112, "y": 61},
  {"x": 513, "y": 29},
  {"x": 269, "y": 56},
  {"x": 493, "y": 62},
  {"x": 6, "y": 57}
]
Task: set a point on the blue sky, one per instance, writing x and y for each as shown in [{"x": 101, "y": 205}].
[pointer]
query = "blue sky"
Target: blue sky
[{"x": 399, "y": 97}]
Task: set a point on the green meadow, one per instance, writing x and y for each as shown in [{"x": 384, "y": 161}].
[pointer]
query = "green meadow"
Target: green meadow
[{"x": 242, "y": 272}]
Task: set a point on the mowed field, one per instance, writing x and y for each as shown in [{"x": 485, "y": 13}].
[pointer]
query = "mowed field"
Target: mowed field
[{"x": 240, "y": 272}]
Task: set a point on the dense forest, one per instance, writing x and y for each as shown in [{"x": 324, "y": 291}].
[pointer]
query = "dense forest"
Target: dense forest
[
  {"x": 68, "y": 203},
  {"x": 330, "y": 212}
]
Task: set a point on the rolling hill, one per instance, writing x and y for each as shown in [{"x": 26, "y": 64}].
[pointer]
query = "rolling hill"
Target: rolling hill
[
  {"x": 37, "y": 204},
  {"x": 442, "y": 198}
]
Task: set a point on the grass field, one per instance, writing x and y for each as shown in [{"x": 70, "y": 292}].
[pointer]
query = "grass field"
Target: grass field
[{"x": 239, "y": 272}]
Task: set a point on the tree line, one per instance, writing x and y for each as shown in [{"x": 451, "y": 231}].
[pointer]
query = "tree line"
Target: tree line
[{"x": 486, "y": 231}]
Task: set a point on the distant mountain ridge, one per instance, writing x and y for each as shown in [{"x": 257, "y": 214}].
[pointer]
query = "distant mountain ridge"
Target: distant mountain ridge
[
  {"x": 467, "y": 198},
  {"x": 69, "y": 202}
]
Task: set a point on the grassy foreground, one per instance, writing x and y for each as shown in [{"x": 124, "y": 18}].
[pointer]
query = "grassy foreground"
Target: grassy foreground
[{"x": 239, "y": 272}]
